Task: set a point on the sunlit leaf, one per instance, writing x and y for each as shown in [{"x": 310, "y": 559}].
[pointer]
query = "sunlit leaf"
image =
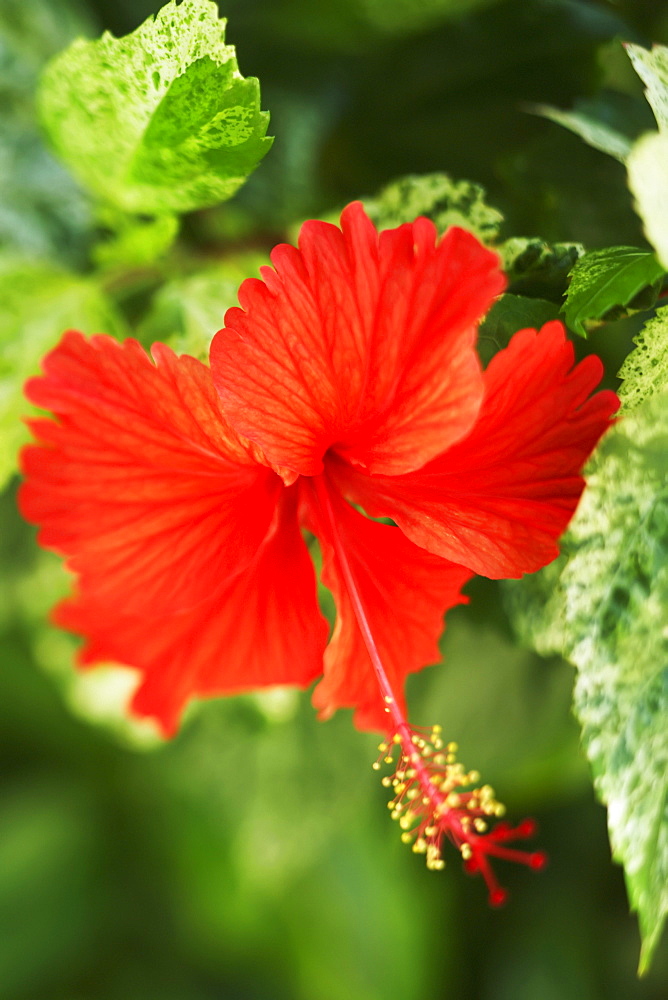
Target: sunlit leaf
[
  {"x": 652, "y": 68},
  {"x": 606, "y": 282},
  {"x": 445, "y": 201},
  {"x": 604, "y": 606},
  {"x": 161, "y": 120},
  {"x": 645, "y": 370},
  {"x": 187, "y": 312},
  {"x": 648, "y": 179},
  {"x": 37, "y": 303},
  {"x": 134, "y": 241}
]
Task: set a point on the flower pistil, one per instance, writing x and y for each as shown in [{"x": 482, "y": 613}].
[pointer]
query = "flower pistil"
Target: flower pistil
[{"x": 435, "y": 798}]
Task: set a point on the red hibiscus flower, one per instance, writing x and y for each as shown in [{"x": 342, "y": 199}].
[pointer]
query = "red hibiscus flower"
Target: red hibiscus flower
[{"x": 347, "y": 379}]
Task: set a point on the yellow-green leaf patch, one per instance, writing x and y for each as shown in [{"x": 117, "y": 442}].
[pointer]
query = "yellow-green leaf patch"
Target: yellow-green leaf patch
[{"x": 161, "y": 120}]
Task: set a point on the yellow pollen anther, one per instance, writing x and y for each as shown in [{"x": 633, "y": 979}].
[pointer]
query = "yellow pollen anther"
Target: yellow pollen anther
[
  {"x": 388, "y": 700},
  {"x": 435, "y": 797}
]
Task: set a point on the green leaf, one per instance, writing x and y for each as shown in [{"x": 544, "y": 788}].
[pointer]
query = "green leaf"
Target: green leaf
[
  {"x": 446, "y": 202},
  {"x": 536, "y": 268},
  {"x": 604, "y": 606},
  {"x": 134, "y": 241},
  {"x": 509, "y": 314},
  {"x": 652, "y": 68},
  {"x": 187, "y": 312},
  {"x": 645, "y": 370},
  {"x": 595, "y": 132},
  {"x": 605, "y": 282},
  {"x": 648, "y": 180},
  {"x": 161, "y": 120},
  {"x": 37, "y": 303}
]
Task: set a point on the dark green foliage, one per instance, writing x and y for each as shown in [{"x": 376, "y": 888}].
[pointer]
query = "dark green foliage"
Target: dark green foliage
[
  {"x": 538, "y": 269},
  {"x": 509, "y": 314},
  {"x": 606, "y": 283}
]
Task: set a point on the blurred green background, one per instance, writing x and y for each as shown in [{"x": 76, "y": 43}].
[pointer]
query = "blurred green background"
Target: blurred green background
[{"x": 253, "y": 856}]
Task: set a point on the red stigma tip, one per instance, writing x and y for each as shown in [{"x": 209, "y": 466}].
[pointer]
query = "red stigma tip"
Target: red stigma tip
[
  {"x": 435, "y": 800},
  {"x": 503, "y": 830}
]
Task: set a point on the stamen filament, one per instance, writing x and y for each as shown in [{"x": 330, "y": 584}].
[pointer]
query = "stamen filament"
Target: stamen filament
[{"x": 433, "y": 797}]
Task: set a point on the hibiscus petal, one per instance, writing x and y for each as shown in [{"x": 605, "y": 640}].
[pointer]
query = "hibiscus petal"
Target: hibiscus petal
[
  {"x": 263, "y": 629},
  {"x": 404, "y": 591},
  {"x": 498, "y": 501},
  {"x": 358, "y": 342},
  {"x": 140, "y": 481}
]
